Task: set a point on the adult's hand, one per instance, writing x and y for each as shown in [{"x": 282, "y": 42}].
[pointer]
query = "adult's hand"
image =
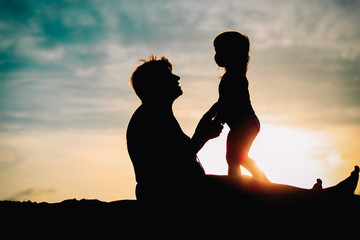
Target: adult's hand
[
  {"x": 206, "y": 129},
  {"x": 207, "y": 126}
]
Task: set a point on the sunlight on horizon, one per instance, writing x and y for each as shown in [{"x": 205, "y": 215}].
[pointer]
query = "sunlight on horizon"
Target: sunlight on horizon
[{"x": 286, "y": 154}]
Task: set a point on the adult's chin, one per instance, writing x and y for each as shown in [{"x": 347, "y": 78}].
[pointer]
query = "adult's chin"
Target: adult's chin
[{"x": 178, "y": 93}]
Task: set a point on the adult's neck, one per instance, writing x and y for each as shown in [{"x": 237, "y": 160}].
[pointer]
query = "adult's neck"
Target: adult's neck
[{"x": 159, "y": 104}]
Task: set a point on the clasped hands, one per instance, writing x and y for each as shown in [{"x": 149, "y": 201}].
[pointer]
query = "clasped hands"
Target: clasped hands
[{"x": 208, "y": 127}]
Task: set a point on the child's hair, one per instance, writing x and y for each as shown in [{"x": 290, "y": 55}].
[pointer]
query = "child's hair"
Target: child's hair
[
  {"x": 235, "y": 42},
  {"x": 142, "y": 79}
]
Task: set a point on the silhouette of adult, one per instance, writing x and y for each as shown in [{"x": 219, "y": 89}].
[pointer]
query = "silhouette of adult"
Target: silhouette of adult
[{"x": 164, "y": 157}]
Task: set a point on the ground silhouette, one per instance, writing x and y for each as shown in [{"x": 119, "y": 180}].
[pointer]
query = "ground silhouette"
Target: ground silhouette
[{"x": 89, "y": 218}]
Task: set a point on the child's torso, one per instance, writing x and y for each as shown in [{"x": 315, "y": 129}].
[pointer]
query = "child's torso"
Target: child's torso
[{"x": 234, "y": 98}]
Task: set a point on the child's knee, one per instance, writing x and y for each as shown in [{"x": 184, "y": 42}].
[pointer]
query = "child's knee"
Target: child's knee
[{"x": 236, "y": 158}]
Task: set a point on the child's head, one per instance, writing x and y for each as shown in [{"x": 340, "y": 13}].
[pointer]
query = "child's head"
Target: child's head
[{"x": 232, "y": 49}]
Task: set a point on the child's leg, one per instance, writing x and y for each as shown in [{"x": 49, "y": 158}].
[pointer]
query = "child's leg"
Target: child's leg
[
  {"x": 238, "y": 144},
  {"x": 255, "y": 171},
  {"x": 232, "y": 154}
]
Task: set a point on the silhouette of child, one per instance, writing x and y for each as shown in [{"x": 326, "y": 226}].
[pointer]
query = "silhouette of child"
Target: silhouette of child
[{"x": 234, "y": 106}]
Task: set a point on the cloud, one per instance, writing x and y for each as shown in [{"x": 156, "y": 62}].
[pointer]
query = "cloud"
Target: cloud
[
  {"x": 39, "y": 31},
  {"x": 72, "y": 56},
  {"x": 30, "y": 194}
]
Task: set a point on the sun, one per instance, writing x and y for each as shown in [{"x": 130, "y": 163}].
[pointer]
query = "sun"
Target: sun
[{"x": 286, "y": 154}]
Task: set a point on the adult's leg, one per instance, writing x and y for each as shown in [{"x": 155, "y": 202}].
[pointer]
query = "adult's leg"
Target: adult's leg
[{"x": 244, "y": 185}]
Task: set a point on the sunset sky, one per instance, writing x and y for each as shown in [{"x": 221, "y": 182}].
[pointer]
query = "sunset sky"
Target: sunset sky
[{"x": 65, "y": 99}]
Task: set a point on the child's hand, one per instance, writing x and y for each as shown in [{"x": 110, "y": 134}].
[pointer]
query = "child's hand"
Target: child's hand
[
  {"x": 218, "y": 118},
  {"x": 208, "y": 128}
]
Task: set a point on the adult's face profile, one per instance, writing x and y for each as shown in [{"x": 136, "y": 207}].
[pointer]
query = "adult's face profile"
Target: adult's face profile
[{"x": 167, "y": 84}]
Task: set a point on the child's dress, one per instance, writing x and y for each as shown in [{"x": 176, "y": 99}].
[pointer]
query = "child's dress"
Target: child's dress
[{"x": 234, "y": 100}]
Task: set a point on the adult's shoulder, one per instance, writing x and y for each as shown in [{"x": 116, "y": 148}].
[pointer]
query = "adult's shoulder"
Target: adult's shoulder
[
  {"x": 141, "y": 121},
  {"x": 136, "y": 122},
  {"x": 137, "y": 115}
]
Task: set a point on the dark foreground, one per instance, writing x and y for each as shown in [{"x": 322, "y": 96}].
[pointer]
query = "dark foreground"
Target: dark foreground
[{"x": 92, "y": 218}]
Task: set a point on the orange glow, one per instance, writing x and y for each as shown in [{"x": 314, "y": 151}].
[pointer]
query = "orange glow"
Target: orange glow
[{"x": 286, "y": 154}]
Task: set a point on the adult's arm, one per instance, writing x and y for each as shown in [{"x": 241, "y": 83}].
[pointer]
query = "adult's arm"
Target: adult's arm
[{"x": 206, "y": 129}]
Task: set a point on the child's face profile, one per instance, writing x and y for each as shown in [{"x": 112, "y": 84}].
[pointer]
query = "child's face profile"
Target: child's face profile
[
  {"x": 224, "y": 58},
  {"x": 219, "y": 59}
]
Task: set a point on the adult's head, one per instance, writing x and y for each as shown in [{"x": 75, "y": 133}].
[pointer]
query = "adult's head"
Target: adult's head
[{"x": 154, "y": 81}]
